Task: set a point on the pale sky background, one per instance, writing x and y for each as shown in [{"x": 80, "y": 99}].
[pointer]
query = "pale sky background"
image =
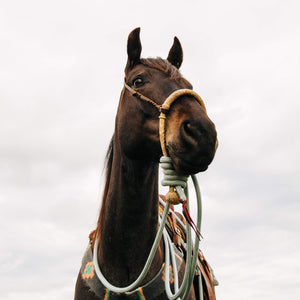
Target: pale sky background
[{"x": 61, "y": 73}]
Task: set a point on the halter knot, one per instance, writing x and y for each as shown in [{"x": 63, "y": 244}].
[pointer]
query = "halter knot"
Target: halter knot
[
  {"x": 172, "y": 179},
  {"x": 163, "y": 110}
]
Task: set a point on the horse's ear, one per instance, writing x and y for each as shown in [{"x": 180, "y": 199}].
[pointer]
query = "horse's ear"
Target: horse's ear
[
  {"x": 176, "y": 54},
  {"x": 134, "y": 48}
]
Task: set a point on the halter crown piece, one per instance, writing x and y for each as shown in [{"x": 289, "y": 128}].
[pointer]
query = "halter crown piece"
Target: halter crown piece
[{"x": 177, "y": 194}]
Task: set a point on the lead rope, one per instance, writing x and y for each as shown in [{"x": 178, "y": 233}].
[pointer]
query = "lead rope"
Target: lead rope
[
  {"x": 178, "y": 184},
  {"x": 144, "y": 272},
  {"x": 191, "y": 254}
]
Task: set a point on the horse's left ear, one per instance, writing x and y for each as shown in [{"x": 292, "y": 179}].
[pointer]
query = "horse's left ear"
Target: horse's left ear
[
  {"x": 134, "y": 48},
  {"x": 176, "y": 54}
]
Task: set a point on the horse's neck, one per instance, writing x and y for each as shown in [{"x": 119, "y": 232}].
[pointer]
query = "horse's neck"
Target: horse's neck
[{"x": 129, "y": 220}]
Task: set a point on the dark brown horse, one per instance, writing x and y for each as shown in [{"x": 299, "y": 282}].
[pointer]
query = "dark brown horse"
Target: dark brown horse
[{"x": 128, "y": 219}]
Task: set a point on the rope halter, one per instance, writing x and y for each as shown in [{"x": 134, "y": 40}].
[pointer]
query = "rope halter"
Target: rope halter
[{"x": 172, "y": 177}]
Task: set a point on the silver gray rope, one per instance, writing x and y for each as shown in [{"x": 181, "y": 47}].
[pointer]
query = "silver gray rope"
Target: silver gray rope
[
  {"x": 146, "y": 268},
  {"x": 171, "y": 178}
]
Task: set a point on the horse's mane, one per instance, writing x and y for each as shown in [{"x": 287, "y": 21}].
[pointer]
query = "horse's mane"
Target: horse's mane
[{"x": 108, "y": 167}]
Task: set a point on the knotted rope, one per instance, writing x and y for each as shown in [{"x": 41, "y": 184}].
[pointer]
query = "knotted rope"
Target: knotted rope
[{"x": 171, "y": 179}]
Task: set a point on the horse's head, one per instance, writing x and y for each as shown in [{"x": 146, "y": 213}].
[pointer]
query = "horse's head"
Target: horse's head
[{"x": 191, "y": 136}]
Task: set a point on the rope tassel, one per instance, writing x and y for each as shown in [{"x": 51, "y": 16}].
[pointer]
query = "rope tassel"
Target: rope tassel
[{"x": 189, "y": 219}]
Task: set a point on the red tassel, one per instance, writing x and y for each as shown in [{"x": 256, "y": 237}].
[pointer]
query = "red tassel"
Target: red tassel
[{"x": 189, "y": 219}]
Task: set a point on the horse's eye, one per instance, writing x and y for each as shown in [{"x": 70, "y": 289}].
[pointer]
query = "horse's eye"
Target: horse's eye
[{"x": 138, "y": 82}]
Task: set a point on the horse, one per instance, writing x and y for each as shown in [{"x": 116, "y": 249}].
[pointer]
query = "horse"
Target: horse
[{"x": 128, "y": 219}]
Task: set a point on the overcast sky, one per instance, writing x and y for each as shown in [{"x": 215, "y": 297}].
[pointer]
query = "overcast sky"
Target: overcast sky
[{"x": 61, "y": 73}]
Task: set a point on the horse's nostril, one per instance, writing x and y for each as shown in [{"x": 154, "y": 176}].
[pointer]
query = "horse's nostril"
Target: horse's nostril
[
  {"x": 187, "y": 127},
  {"x": 190, "y": 129}
]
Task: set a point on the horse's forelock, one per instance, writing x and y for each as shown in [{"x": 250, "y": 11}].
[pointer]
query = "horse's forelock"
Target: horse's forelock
[
  {"x": 166, "y": 67},
  {"x": 162, "y": 65}
]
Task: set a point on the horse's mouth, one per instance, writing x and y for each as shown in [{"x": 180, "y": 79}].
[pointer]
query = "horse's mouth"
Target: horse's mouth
[{"x": 187, "y": 167}]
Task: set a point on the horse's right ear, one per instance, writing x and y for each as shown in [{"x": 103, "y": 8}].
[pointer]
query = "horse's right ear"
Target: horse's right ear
[
  {"x": 176, "y": 54},
  {"x": 134, "y": 48}
]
